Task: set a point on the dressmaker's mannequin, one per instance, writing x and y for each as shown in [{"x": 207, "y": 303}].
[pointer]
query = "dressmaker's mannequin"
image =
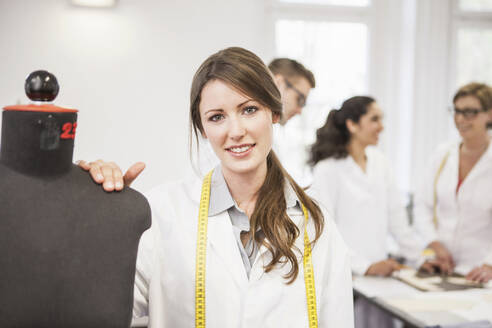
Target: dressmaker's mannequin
[{"x": 67, "y": 248}]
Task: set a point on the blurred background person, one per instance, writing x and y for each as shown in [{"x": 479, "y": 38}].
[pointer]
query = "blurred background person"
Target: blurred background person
[
  {"x": 453, "y": 203},
  {"x": 294, "y": 82},
  {"x": 354, "y": 181}
]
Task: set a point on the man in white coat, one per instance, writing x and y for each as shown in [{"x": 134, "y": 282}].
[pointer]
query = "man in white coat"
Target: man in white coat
[{"x": 294, "y": 82}]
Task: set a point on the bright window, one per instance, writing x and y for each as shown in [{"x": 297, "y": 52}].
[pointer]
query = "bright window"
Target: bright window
[
  {"x": 472, "y": 47},
  {"x": 358, "y": 3},
  {"x": 474, "y": 55},
  {"x": 476, "y": 5},
  {"x": 337, "y": 53}
]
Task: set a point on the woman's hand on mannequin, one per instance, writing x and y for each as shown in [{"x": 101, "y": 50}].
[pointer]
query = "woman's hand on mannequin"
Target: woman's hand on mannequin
[
  {"x": 480, "y": 274},
  {"x": 383, "y": 268},
  {"x": 110, "y": 175},
  {"x": 443, "y": 258}
]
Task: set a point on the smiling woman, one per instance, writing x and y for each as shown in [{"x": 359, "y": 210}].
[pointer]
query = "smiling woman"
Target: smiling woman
[
  {"x": 262, "y": 253},
  {"x": 354, "y": 180},
  {"x": 234, "y": 102},
  {"x": 453, "y": 202},
  {"x": 240, "y": 135}
]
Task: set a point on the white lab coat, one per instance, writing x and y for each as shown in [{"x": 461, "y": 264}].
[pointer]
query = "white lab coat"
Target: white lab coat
[
  {"x": 165, "y": 278},
  {"x": 289, "y": 146},
  {"x": 464, "y": 218},
  {"x": 366, "y": 208}
]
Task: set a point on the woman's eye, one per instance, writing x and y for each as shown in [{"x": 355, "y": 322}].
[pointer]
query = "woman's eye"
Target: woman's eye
[
  {"x": 250, "y": 109},
  {"x": 216, "y": 117}
]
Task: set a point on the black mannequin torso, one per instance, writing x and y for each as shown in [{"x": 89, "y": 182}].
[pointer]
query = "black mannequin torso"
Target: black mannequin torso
[
  {"x": 67, "y": 248},
  {"x": 68, "y": 251}
]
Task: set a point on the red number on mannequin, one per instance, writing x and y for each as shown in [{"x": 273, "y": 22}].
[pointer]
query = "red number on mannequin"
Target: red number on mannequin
[
  {"x": 73, "y": 130},
  {"x": 68, "y": 131},
  {"x": 66, "y": 128}
]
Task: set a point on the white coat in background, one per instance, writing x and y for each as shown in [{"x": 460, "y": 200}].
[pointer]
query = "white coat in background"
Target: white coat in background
[
  {"x": 464, "y": 218},
  {"x": 289, "y": 146},
  {"x": 366, "y": 207},
  {"x": 165, "y": 278}
]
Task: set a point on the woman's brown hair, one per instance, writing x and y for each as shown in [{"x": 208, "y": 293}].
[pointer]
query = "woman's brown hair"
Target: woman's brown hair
[
  {"x": 247, "y": 73},
  {"x": 333, "y": 137}
]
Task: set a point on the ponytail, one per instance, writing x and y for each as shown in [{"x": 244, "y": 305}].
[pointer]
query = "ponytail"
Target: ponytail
[
  {"x": 331, "y": 140},
  {"x": 333, "y": 137},
  {"x": 270, "y": 215}
]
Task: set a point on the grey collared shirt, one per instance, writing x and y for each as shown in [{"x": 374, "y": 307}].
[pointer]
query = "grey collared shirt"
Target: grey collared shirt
[{"x": 221, "y": 200}]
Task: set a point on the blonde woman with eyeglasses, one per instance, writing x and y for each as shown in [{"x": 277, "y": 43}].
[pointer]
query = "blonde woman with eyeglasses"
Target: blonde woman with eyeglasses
[{"x": 454, "y": 202}]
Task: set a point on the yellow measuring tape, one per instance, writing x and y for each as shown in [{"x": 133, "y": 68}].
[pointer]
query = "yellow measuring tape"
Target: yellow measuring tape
[
  {"x": 201, "y": 256},
  {"x": 309, "y": 275},
  {"x": 201, "y": 252}
]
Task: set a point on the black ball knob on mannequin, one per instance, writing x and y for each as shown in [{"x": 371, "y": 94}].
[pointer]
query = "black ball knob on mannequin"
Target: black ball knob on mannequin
[{"x": 41, "y": 86}]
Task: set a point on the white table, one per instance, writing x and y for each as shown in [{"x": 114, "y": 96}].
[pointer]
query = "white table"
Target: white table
[{"x": 421, "y": 309}]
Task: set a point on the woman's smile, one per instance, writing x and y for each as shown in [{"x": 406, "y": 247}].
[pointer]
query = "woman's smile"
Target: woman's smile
[{"x": 240, "y": 151}]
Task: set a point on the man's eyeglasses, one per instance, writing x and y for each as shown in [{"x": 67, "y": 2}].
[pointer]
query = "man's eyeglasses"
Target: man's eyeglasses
[
  {"x": 301, "y": 97},
  {"x": 467, "y": 113}
]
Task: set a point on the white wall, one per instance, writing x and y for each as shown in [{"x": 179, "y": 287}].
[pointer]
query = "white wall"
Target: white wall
[
  {"x": 128, "y": 69},
  {"x": 391, "y": 76},
  {"x": 433, "y": 87}
]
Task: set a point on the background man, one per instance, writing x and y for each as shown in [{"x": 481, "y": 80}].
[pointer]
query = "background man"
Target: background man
[{"x": 294, "y": 82}]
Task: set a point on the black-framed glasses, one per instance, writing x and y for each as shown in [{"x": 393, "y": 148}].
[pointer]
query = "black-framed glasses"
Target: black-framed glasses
[
  {"x": 467, "y": 113},
  {"x": 301, "y": 97}
]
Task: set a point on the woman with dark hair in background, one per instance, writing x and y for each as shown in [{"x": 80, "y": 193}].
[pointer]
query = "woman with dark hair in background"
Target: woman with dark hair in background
[
  {"x": 271, "y": 257},
  {"x": 453, "y": 205},
  {"x": 354, "y": 181}
]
